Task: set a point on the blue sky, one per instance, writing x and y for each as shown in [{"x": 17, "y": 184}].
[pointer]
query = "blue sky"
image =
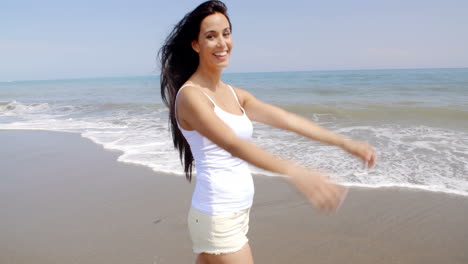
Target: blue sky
[{"x": 52, "y": 39}]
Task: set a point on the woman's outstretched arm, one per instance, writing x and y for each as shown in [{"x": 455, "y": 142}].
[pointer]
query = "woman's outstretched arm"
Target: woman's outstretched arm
[
  {"x": 194, "y": 108},
  {"x": 278, "y": 117}
]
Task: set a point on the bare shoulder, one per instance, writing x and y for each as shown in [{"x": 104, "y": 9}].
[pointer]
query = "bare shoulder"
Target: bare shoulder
[
  {"x": 188, "y": 92},
  {"x": 189, "y": 96},
  {"x": 191, "y": 105}
]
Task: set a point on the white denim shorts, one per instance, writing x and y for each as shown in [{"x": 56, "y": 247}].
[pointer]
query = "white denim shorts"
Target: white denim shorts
[{"x": 218, "y": 234}]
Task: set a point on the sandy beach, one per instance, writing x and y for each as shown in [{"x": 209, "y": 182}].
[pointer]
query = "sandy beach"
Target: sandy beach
[{"x": 64, "y": 199}]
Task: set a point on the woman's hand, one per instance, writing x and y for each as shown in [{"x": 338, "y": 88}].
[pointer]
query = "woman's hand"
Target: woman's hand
[
  {"x": 361, "y": 150},
  {"x": 315, "y": 186}
]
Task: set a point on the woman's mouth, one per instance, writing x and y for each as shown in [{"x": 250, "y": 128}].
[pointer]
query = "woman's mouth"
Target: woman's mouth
[{"x": 221, "y": 54}]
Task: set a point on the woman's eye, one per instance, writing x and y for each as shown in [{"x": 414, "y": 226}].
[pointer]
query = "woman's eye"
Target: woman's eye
[
  {"x": 227, "y": 33},
  {"x": 209, "y": 36}
]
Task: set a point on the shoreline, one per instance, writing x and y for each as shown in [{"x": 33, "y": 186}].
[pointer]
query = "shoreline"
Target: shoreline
[
  {"x": 67, "y": 199},
  {"x": 349, "y": 185}
]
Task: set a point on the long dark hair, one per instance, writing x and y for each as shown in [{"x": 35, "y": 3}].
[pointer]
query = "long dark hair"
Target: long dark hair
[{"x": 178, "y": 62}]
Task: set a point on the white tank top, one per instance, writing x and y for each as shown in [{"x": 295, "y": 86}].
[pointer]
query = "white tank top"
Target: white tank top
[{"x": 223, "y": 182}]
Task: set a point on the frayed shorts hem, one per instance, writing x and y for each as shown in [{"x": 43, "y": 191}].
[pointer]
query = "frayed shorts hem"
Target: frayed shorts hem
[
  {"x": 219, "y": 251},
  {"x": 218, "y": 234}
]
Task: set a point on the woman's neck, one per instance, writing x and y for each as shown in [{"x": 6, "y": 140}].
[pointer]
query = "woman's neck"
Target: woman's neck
[{"x": 209, "y": 78}]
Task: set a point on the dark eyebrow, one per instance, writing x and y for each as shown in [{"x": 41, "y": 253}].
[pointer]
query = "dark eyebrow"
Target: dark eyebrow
[{"x": 214, "y": 31}]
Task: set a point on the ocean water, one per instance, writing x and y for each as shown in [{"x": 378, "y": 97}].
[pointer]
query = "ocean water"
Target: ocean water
[{"x": 416, "y": 119}]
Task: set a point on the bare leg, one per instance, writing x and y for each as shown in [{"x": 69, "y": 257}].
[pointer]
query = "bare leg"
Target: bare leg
[
  {"x": 243, "y": 256},
  {"x": 201, "y": 259}
]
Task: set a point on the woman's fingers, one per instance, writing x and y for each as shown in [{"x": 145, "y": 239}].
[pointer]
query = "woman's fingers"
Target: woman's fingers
[
  {"x": 328, "y": 197},
  {"x": 343, "y": 194},
  {"x": 365, "y": 152},
  {"x": 335, "y": 197},
  {"x": 318, "y": 190},
  {"x": 372, "y": 159}
]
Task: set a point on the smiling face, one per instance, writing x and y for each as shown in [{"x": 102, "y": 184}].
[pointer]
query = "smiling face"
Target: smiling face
[{"x": 214, "y": 42}]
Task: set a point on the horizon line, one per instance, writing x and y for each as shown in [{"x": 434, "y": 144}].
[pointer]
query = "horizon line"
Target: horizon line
[{"x": 252, "y": 72}]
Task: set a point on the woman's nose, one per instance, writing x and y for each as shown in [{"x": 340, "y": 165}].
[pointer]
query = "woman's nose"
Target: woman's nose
[{"x": 221, "y": 42}]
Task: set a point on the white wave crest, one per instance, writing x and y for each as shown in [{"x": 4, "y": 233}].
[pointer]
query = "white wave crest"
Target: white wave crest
[{"x": 15, "y": 108}]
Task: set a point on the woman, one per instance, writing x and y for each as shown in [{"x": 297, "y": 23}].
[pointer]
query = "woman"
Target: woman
[{"x": 211, "y": 126}]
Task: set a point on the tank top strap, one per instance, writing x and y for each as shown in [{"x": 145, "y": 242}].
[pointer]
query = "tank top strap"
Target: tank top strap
[
  {"x": 210, "y": 98},
  {"x": 230, "y": 87},
  {"x": 235, "y": 96},
  {"x": 188, "y": 84}
]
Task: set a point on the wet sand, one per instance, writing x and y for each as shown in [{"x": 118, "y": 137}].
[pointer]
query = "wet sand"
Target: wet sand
[{"x": 64, "y": 199}]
